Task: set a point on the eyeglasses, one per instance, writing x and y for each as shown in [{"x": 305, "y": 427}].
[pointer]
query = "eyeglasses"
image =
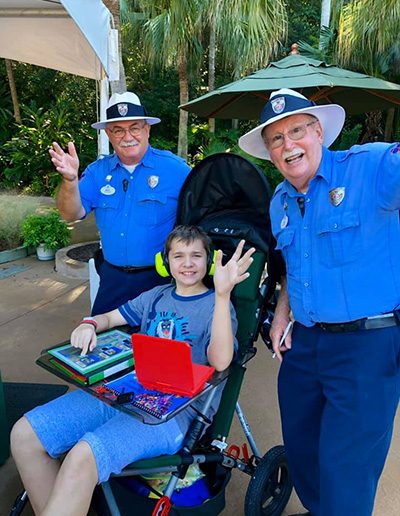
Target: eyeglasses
[
  {"x": 295, "y": 133},
  {"x": 133, "y": 130}
]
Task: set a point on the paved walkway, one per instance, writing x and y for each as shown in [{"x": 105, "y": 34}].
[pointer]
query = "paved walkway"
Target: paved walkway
[{"x": 39, "y": 308}]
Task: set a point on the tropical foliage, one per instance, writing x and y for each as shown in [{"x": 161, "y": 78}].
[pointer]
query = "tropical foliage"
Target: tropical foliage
[{"x": 175, "y": 50}]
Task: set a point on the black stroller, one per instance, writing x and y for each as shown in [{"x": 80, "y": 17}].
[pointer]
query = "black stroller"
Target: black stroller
[{"x": 229, "y": 198}]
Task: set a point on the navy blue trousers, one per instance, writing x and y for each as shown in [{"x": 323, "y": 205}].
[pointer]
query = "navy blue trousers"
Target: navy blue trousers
[
  {"x": 116, "y": 286},
  {"x": 338, "y": 395}
]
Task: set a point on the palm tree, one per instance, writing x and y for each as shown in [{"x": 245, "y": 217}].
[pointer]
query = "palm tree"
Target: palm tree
[
  {"x": 363, "y": 36},
  {"x": 325, "y": 17},
  {"x": 246, "y": 33},
  {"x": 250, "y": 32},
  {"x": 114, "y": 7},
  {"x": 171, "y": 38},
  {"x": 243, "y": 34},
  {"x": 13, "y": 90},
  {"x": 368, "y": 40},
  {"x": 367, "y": 30}
]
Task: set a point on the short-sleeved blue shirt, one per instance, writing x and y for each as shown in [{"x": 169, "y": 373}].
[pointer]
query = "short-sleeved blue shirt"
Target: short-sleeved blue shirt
[
  {"x": 161, "y": 312},
  {"x": 343, "y": 256},
  {"x": 134, "y": 211}
]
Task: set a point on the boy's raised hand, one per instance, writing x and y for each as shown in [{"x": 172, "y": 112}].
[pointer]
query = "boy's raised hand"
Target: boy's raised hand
[
  {"x": 67, "y": 163},
  {"x": 233, "y": 272}
]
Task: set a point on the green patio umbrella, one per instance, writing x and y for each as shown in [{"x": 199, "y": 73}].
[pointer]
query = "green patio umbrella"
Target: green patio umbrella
[{"x": 323, "y": 83}]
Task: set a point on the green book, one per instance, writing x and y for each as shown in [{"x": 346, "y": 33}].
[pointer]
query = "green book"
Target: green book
[{"x": 94, "y": 377}]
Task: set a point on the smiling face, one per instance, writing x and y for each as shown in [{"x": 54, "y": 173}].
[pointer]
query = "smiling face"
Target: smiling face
[
  {"x": 188, "y": 266},
  {"x": 130, "y": 146},
  {"x": 297, "y": 160}
]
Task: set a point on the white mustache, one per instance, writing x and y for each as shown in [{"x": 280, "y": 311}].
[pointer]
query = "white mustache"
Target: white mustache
[
  {"x": 129, "y": 144},
  {"x": 293, "y": 152}
]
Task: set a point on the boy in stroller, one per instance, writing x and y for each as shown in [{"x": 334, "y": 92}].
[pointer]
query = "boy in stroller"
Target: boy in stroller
[{"x": 98, "y": 439}]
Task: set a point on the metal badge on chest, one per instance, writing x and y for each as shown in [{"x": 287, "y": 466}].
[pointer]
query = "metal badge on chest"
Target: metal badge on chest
[{"x": 107, "y": 189}]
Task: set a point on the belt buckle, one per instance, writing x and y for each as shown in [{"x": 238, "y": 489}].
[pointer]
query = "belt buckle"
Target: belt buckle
[{"x": 357, "y": 325}]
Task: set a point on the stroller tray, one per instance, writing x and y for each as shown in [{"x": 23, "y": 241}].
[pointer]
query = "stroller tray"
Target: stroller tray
[{"x": 153, "y": 409}]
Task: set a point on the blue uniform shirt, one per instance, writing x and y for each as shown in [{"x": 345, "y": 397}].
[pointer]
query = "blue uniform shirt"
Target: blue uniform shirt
[
  {"x": 343, "y": 256},
  {"x": 134, "y": 212}
]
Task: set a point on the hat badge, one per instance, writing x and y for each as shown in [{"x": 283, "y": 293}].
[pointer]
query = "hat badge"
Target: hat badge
[
  {"x": 153, "y": 181},
  {"x": 122, "y": 109},
  {"x": 278, "y": 105},
  {"x": 336, "y": 195}
]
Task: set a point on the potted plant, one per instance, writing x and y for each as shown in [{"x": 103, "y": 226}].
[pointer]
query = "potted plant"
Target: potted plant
[{"x": 47, "y": 232}]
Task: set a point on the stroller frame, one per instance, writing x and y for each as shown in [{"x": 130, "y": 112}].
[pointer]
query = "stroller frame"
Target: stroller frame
[{"x": 270, "y": 485}]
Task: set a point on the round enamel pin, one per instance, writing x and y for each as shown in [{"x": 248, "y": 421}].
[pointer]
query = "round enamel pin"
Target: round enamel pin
[
  {"x": 107, "y": 190},
  {"x": 284, "y": 221}
]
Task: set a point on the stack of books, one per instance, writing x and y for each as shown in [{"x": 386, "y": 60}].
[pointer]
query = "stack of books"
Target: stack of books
[{"x": 112, "y": 354}]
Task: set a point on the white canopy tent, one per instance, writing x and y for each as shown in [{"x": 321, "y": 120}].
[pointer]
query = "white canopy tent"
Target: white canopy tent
[{"x": 73, "y": 36}]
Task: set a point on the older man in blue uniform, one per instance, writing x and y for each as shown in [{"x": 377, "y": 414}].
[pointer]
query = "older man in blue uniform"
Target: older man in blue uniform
[
  {"x": 134, "y": 194},
  {"x": 336, "y": 221}
]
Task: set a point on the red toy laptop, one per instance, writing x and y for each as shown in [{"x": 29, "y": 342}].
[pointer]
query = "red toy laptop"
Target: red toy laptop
[{"x": 166, "y": 365}]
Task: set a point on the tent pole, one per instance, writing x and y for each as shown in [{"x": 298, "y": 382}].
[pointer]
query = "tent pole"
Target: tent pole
[{"x": 103, "y": 144}]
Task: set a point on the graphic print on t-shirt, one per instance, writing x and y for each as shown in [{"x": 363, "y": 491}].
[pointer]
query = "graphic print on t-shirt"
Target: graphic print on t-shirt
[{"x": 168, "y": 325}]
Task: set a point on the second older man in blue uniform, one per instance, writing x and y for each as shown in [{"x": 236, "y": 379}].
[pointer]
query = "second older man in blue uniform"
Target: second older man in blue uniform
[
  {"x": 134, "y": 194},
  {"x": 336, "y": 221}
]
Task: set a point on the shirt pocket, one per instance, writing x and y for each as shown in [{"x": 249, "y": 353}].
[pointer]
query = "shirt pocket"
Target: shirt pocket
[
  {"x": 285, "y": 243},
  {"x": 339, "y": 238},
  {"x": 154, "y": 208},
  {"x": 107, "y": 211}
]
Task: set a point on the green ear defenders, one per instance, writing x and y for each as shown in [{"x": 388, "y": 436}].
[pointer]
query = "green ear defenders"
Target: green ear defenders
[{"x": 162, "y": 263}]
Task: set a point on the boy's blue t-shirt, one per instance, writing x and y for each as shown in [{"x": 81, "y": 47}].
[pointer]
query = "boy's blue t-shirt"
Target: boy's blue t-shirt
[{"x": 161, "y": 312}]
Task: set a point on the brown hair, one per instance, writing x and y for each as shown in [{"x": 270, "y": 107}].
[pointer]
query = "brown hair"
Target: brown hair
[{"x": 187, "y": 235}]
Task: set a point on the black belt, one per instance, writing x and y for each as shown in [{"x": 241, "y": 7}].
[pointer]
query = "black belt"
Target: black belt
[
  {"x": 131, "y": 268},
  {"x": 368, "y": 323}
]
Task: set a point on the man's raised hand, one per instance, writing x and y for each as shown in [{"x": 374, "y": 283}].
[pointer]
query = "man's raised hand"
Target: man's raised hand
[{"x": 67, "y": 163}]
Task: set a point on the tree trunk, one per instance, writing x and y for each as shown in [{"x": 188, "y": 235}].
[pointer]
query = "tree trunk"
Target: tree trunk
[
  {"x": 211, "y": 64},
  {"x": 235, "y": 121},
  {"x": 373, "y": 130},
  {"x": 389, "y": 124},
  {"x": 114, "y": 8},
  {"x": 183, "y": 99},
  {"x": 13, "y": 89},
  {"x": 325, "y": 15}
]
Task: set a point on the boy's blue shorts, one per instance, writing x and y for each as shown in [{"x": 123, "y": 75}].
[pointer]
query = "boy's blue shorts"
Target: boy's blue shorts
[{"x": 115, "y": 438}]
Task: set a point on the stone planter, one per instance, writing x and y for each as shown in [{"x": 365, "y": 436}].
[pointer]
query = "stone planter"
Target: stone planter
[
  {"x": 45, "y": 254},
  {"x": 13, "y": 254},
  {"x": 72, "y": 261}
]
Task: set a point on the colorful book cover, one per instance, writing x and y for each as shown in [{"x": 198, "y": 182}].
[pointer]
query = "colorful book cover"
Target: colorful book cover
[
  {"x": 111, "y": 346},
  {"x": 95, "y": 376},
  {"x": 128, "y": 390}
]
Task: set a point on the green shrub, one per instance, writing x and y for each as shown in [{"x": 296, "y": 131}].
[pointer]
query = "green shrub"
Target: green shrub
[
  {"x": 25, "y": 158},
  {"x": 13, "y": 210},
  {"x": 47, "y": 229}
]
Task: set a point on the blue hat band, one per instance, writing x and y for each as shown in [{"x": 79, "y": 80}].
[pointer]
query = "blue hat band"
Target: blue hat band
[
  {"x": 282, "y": 104},
  {"x": 124, "y": 110}
]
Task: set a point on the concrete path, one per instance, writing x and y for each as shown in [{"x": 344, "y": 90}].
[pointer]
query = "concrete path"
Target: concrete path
[{"x": 39, "y": 308}]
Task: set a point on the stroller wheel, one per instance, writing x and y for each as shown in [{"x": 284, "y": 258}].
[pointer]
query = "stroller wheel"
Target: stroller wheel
[{"x": 270, "y": 486}]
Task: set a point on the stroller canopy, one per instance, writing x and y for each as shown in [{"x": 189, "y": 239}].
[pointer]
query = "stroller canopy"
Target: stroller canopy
[{"x": 228, "y": 197}]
